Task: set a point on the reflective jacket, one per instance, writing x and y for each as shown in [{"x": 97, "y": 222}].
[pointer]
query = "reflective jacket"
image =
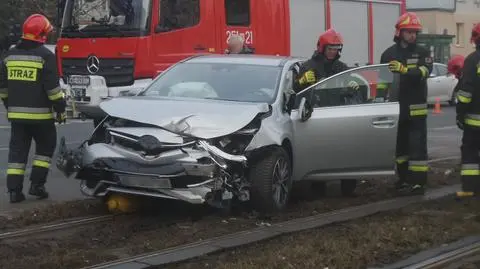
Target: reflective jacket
[
  {"x": 468, "y": 107},
  {"x": 321, "y": 67},
  {"x": 412, "y": 94},
  {"x": 29, "y": 83}
]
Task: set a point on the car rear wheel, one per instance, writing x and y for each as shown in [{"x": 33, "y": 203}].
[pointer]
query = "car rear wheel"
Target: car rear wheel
[
  {"x": 271, "y": 181},
  {"x": 348, "y": 186}
]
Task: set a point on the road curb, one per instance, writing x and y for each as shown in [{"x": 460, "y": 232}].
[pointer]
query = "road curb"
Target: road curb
[{"x": 222, "y": 243}]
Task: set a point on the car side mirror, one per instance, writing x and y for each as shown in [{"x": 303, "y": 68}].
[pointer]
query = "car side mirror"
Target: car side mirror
[
  {"x": 305, "y": 109},
  {"x": 432, "y": 75}
]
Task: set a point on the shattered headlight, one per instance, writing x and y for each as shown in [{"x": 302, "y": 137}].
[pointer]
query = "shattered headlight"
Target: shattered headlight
[{"x": 236, "y": 142}]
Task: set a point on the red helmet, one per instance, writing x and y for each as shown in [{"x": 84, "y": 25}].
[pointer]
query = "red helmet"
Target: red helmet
[
  {"x": 476, "y": 34},
  {"x": 36, "y": 28},
  {"x": 455, "y": 65},
  {"x": 408, "y": 21},
  {"x": 329, "y": 38}
]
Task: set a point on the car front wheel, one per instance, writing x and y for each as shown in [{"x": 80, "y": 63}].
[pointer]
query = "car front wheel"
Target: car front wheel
[{"x": 271, "y": 181}]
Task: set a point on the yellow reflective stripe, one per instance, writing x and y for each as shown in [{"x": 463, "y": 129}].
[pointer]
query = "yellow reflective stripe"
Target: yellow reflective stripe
[
  {"x": 39, "y": 163},
  {"x": 382, "y": 86},
  {"x": 401, "y": 159},
  {"x": 418, "y": 166},
  {"x": 56, "y": 96},
  {"x": 418, "y": 110},
  {"x": 30, "y": 116},
  {"x": 13, "y": 171},
  {"x": 470, "y": 172},
  {"x": 3, "y": 95},
  {"x": 464, "y": 97},
  {"x": 464, "y": 194},
  {"x": 411, "y": 65},
  {"x": 24, "y": 64},
  {"x": 478, "y": 70},
  {"x": 472, "y": 120},
  {"x": 424, "y": 71}
]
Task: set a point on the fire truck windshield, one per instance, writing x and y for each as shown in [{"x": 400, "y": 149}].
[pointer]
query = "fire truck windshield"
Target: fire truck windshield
[{"x": 97, "y": 18}]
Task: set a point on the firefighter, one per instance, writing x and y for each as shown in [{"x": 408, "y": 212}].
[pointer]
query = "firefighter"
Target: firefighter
[
  {"x": 29, "y": 88},
  {"x": 413, "y": 65},
  {"x": 236, "y": 45},
  {"x": 468, "y": 119},
  {"x": 455, "y": 66},
  {"x": 325, "y": 63}
]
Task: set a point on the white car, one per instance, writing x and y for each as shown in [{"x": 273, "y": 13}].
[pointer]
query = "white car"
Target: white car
[{"x": 441, "y": 85}]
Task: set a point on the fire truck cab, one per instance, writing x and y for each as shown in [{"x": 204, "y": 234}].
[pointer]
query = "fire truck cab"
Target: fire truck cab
[{"x": 108, "y": 48}]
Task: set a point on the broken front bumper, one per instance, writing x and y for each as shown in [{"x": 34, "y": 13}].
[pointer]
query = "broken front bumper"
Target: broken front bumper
[{"x": 188, "y": 173}]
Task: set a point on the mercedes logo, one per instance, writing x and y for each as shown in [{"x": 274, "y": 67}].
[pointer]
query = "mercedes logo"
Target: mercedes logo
[{"x": 93, "y": 64}]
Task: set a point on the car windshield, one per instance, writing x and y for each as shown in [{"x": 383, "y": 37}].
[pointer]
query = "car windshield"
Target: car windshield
[
  {"x": 220, "y": 81},
  {"x": 97, "y": 18}
]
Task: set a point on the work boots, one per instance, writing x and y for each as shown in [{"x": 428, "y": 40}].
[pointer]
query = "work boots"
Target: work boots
[
  {"x": 39, "y": 191},
  {"x": 16, "y": 197}
]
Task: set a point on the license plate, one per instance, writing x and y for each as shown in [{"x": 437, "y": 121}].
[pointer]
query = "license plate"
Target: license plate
[
  {"x": 145, "y": 182},
  {"x": 79, "y": 80},
  {"x": 79, "y": 92}
]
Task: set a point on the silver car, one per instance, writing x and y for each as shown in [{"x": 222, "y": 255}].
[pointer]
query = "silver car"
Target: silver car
[{"x": 221, "y": 128}]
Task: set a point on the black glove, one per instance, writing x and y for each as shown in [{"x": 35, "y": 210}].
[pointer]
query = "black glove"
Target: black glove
[
  {"x": 61, "y": 117},
  {"x": 460, "y": 121}
]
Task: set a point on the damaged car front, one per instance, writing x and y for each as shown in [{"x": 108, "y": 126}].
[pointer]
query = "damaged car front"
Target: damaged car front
[{"x": 190, "y": 138}]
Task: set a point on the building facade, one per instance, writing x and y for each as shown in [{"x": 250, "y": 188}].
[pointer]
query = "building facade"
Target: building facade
[{"x": 447, "y": 25}]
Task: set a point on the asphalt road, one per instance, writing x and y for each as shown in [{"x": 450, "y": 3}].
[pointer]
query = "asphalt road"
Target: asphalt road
[{"x": 444, "y": 141}]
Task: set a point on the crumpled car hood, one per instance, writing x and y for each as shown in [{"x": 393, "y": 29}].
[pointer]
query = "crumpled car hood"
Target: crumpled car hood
[{"x": 200, "y": 118}]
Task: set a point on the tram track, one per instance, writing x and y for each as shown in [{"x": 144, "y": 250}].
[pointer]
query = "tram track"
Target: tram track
[
  {"x": 190, "y": 251},
  {"x": 55, "y": 226},
  {"x": 450, "y": 256}
]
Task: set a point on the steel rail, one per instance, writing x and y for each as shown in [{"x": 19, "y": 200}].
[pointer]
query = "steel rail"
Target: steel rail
[
  {"x": 51, "y": 227},
  {"x": 446, "y": 258}
]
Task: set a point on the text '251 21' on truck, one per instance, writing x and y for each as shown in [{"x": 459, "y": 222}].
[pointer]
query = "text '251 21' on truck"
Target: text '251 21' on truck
[{"x": 116, "y": 47}]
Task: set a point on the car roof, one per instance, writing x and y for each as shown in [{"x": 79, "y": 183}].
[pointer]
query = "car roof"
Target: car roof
[{"x": 248, "y": 59}]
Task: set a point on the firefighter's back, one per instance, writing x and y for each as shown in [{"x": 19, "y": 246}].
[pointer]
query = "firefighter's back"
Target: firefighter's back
[{"x": 27, "y": 69}]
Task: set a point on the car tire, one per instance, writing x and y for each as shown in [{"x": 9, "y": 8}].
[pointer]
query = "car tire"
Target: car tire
[
  {"x": 348, "y": 186},
  {"x": 269, "y": 174}
]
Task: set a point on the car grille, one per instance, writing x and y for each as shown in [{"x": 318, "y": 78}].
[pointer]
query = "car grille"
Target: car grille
[{"x": 117, "y": 72}]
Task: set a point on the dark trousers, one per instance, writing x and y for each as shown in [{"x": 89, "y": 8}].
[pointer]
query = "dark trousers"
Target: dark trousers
[
  {"x": 45, "y": 137},
  {"x": 411, "y": 153},
  {"x": 470, "y": 160}
]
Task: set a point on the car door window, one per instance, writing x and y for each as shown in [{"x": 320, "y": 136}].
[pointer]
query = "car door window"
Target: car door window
[
  {"x": 364, "y": 85},
  {"x": 434, "y": 72},
  {"x": 441, "y": 70}
]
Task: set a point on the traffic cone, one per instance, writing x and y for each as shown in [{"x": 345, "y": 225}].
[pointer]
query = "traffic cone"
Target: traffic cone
[{"x": 438, "y": 108}]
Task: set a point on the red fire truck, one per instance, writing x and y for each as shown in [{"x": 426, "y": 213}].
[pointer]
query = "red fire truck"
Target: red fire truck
[{"x": 109, "y": 48}]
